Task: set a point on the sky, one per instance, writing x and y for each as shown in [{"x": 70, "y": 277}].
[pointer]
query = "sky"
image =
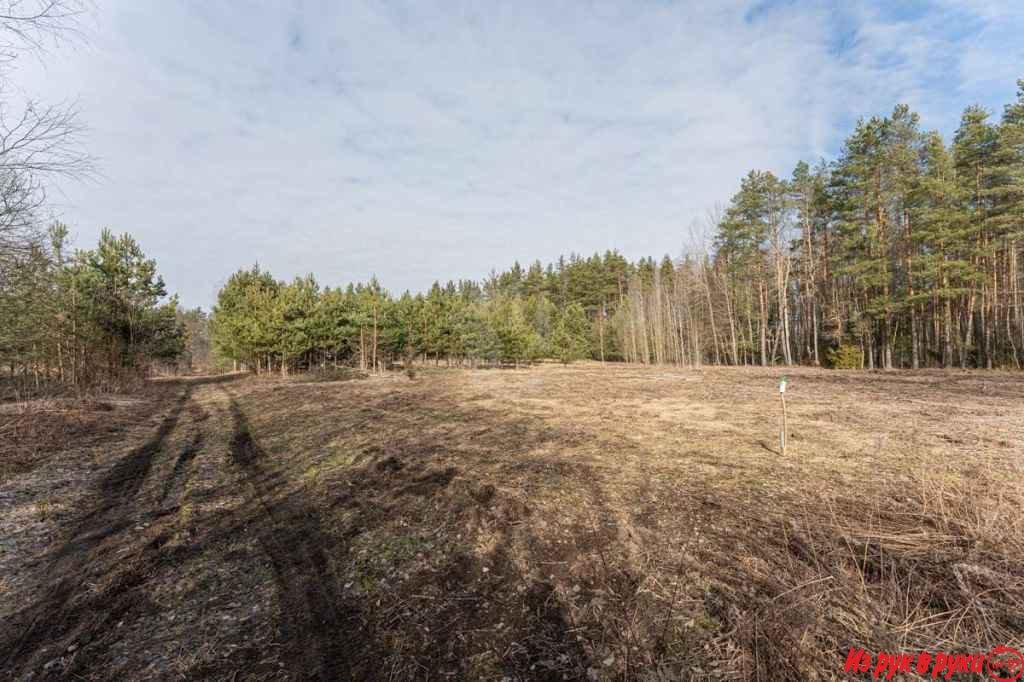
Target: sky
[{"x": 417, "y": 140}]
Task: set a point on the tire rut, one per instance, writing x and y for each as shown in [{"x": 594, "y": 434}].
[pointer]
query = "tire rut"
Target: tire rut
[
  {"x": 318, "y": 629},
  {"x": 73, "y": 609},
  {"x": 180, "y": 473}
]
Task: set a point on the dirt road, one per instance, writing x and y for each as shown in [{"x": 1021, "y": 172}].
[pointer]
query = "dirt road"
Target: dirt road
[{"x": 197, "y": 495}]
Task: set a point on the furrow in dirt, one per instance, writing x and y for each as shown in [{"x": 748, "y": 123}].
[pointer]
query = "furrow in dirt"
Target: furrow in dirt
[
  {"x": 319, "y": 634},
  {"x": 97, "y": 575},
  {"x": 63, "y": 608}
]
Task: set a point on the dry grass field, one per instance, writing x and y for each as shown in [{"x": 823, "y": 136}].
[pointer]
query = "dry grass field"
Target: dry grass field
[{"x": 588, "y": 522}]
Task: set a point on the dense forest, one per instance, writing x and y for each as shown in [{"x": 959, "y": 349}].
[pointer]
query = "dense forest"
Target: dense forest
[{"x": 904, "y": 252}]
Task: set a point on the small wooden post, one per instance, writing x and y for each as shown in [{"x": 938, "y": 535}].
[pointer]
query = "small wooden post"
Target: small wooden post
[{"x": 782, "y": 396}]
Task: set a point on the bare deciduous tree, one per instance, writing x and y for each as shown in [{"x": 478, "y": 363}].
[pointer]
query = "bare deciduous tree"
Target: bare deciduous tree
[
  {"x": 36, "y": 25},
  {"x": 37, "y": 141}
]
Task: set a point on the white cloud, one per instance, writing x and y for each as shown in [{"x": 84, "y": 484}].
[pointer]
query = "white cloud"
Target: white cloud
[{"x": 420, "y": 140}]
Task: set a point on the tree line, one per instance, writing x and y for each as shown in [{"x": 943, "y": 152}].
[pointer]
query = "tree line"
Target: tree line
[
  {"x": 95, "y": 318},
  {"x": 267, "y": 325},
  {"x": 902, "y": 252},
  {"x": 85, "y": 318}
]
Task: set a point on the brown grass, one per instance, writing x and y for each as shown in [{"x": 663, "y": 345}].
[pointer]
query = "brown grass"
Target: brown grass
[
  {"x": 553, "y": 523},
  {"x": 35, "y": 430}
]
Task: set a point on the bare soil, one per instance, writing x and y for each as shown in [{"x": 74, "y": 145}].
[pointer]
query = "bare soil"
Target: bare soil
[{"x": 589, "y": 522}]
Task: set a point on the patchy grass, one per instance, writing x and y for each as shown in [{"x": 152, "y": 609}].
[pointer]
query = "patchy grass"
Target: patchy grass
[{"x": 552, "y": 523}]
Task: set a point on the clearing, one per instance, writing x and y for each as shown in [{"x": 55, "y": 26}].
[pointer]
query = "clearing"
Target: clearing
[{"x": 547, "y": 523}]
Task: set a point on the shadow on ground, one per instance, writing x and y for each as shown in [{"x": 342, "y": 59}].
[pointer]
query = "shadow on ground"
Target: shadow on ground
[{"x": 397, "y": 566}]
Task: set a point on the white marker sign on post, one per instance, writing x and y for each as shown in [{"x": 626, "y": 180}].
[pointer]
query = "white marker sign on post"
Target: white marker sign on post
[{"x": 782, "y": 396}]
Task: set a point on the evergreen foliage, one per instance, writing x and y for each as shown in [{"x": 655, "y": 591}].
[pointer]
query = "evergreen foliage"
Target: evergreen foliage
[
  {"x": 96, "y": 318},
  {"x": 902, "y": 252}
]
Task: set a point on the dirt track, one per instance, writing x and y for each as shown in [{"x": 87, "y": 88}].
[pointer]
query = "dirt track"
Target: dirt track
[
  {"x": 95, "y": 603},
  {"x": 202, "y": 493},
  {"x": 541, "y": 524},
  {"x": 318, "y": 631}
]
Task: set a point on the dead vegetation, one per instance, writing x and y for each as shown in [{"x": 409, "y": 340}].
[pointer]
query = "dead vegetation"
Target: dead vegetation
[
  {"x": 579, "y": 523},
  {"x": 34, "y": 430}
]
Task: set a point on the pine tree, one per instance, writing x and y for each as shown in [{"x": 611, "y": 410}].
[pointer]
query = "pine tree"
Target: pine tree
[
  {"x": 293, "y": 319},
  {"x": 571, "y": 337}
]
